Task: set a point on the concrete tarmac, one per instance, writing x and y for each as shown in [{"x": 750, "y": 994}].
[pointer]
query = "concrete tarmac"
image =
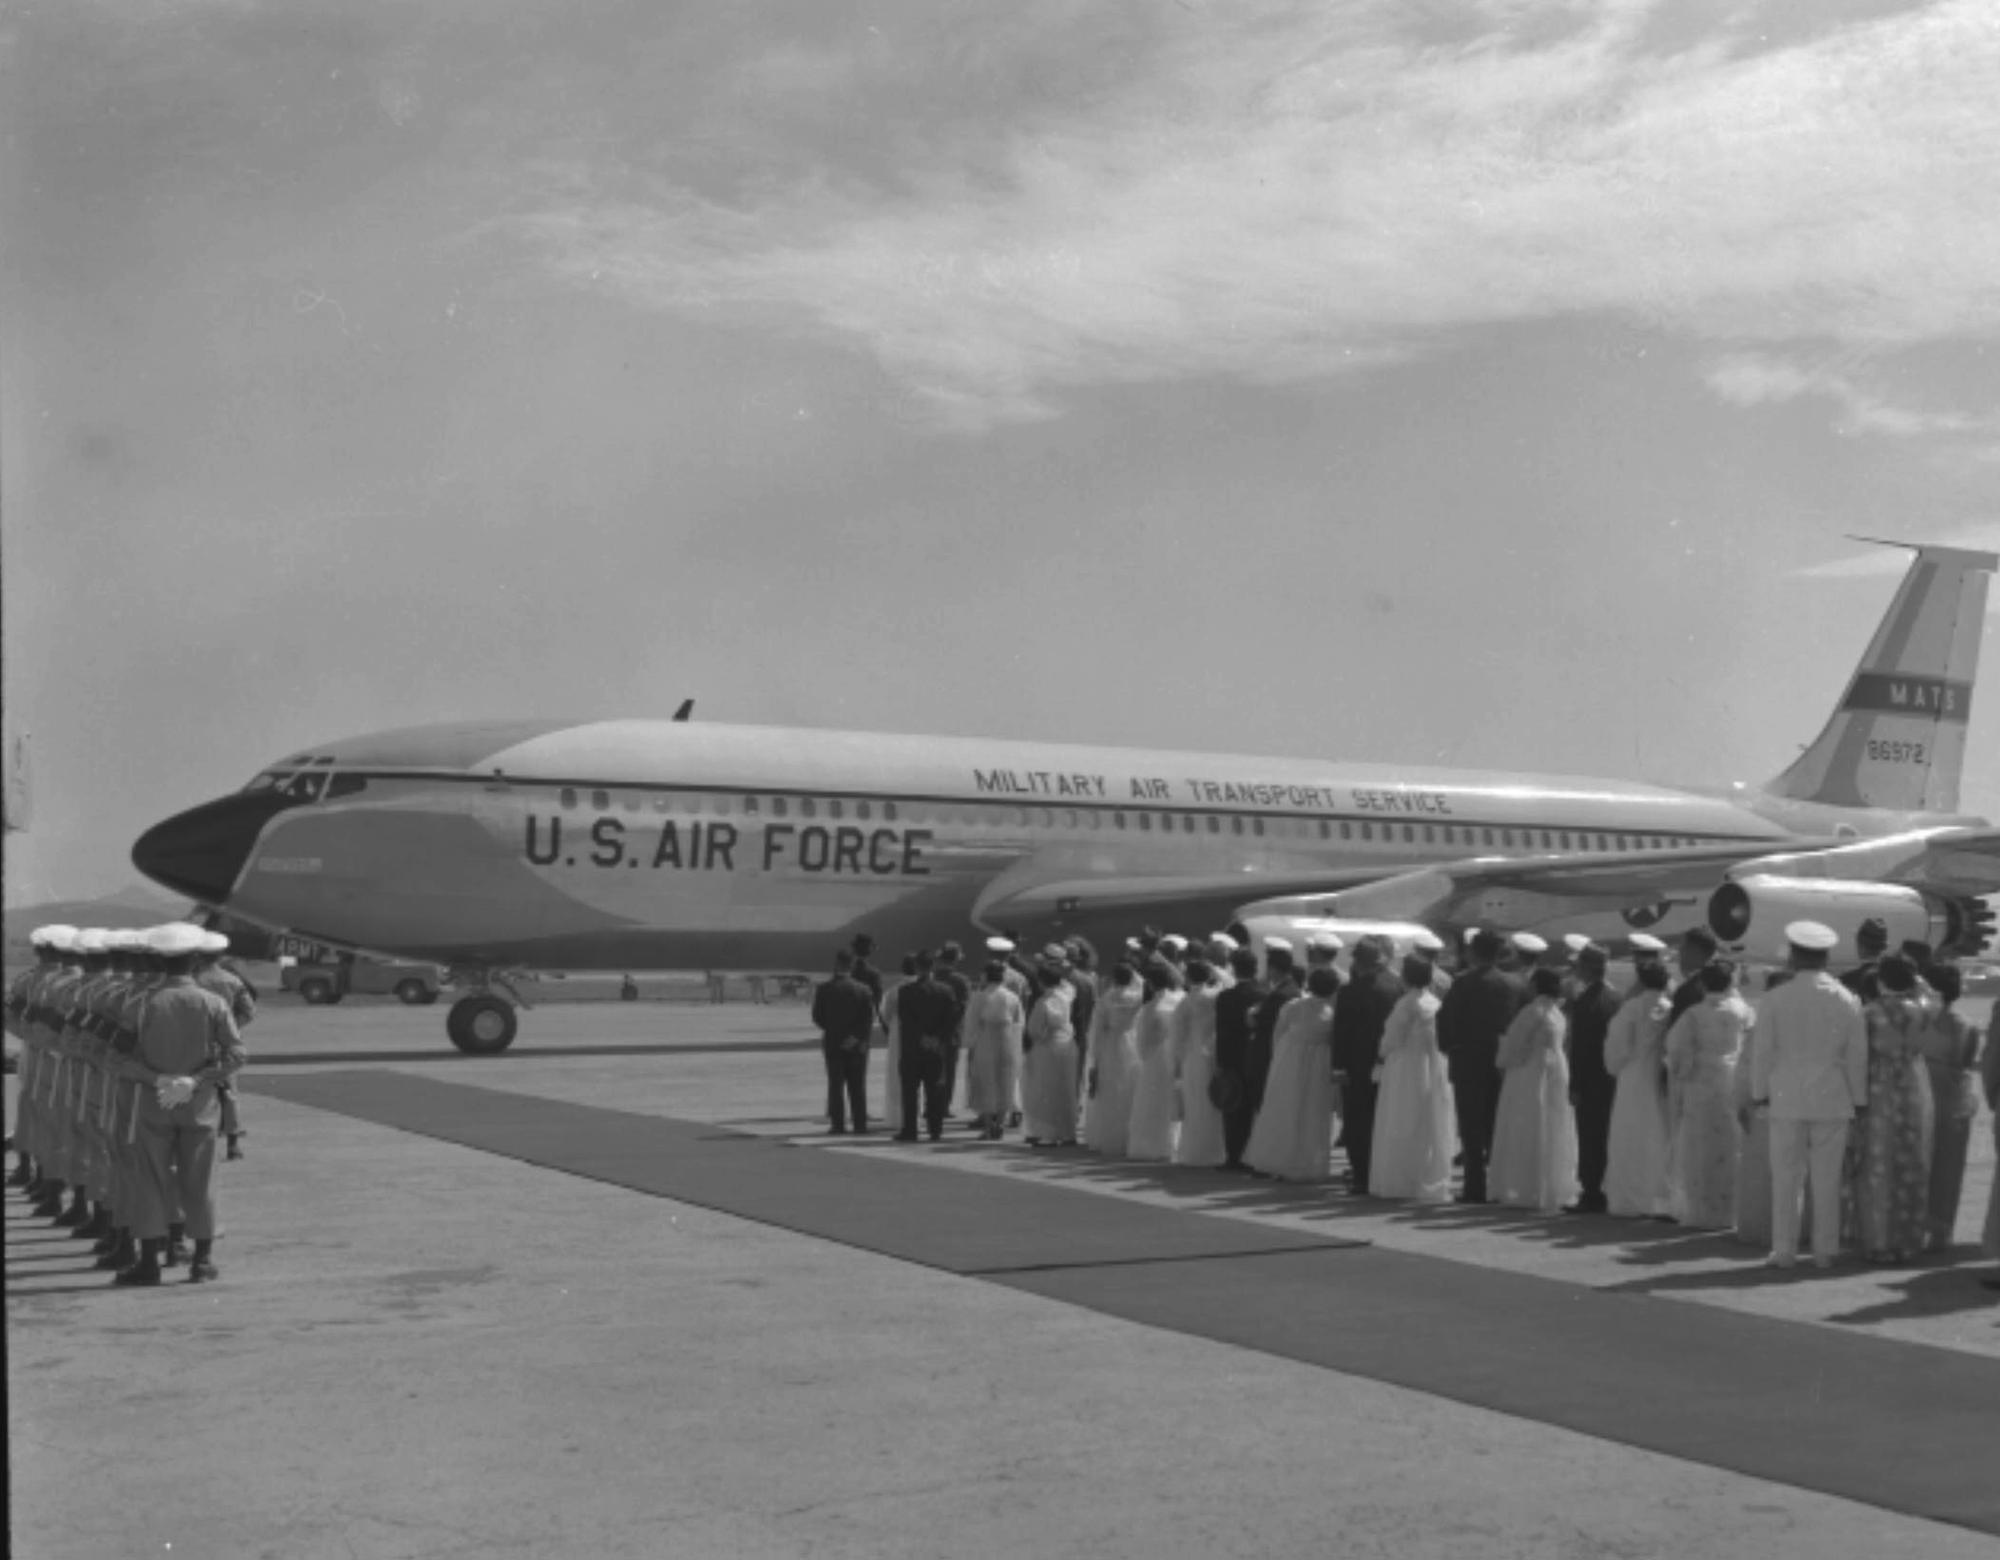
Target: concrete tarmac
[{"x": 419, "y": 1349}]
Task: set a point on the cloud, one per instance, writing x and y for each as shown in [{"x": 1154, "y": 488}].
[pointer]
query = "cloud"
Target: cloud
[
  {"x": 1759, "y": 379},
  {"x": 1272, "y": 195}
]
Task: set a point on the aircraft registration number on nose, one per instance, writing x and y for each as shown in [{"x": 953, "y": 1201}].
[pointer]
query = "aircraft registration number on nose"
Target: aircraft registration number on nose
[{"x": 715, "y": 846}]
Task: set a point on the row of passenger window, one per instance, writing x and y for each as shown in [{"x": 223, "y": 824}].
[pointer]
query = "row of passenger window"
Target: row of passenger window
[{"x": 837, "y": 809}]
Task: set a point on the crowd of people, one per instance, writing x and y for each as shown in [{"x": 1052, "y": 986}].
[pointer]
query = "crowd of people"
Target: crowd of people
[
  {"x": 1503, "y": 1071},
  {"x": 130, "y": 1041}
]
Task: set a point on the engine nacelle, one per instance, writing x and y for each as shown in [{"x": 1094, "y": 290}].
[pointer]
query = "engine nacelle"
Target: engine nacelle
[
  {"x": 1258, "y": 928},
  {"x": 1750, "y": 914}
]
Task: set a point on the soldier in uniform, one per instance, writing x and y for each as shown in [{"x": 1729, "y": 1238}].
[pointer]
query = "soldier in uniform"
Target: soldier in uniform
[
  {"x": 23, "y": 1022},
  {"x": 58, "y": 1097},
  {"x": 187, "y": 1041},
  {"x": 211, "y": 974}
]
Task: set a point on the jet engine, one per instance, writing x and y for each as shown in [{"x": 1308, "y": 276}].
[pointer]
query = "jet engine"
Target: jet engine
[{"x": 1750, "y": 914}]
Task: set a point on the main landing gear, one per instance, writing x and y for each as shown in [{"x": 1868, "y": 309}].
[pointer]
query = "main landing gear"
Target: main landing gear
[{"x": 484, "y": 1021}]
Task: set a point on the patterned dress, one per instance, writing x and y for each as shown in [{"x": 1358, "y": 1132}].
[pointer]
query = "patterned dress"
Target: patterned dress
[
  {"x": 1889, "y": 1156},
  {"x": 1702, "y": 1051}
]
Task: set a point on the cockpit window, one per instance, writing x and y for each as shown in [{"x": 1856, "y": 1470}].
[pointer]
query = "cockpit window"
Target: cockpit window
[
  {"x": 345, "y": 785},
  {"x": 264, "y": 782},
  {"x": 306, "y": 787}
]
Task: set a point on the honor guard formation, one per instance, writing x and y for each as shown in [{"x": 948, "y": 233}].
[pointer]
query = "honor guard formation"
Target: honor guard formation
[
  {"x": 130, "y": 1040},
  {"x": 1504, "y": 1072}
]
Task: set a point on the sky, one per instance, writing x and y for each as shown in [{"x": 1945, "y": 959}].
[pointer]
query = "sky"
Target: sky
[{"x": 1490, "y": 384}]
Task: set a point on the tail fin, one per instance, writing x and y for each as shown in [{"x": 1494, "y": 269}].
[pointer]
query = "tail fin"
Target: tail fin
[{"x": 1897, "y": 739}]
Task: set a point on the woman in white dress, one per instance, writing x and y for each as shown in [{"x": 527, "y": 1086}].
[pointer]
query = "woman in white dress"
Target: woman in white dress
[
  {"x": 1635, "y": 1174},
  {"x": 1201, "y": 1141},
  {"x": 1702, "y": 1051},
  {"x": 1292, "y": 1137},
  {"x": 1533, "y": 1163},
  {"x": 1150, "y": 1133},
  {"x": 892, "y": 1089},
  {"x": 1048, "y": 1081},
  {"x": 1415, "y": 1125},
  {"x": 993, "y": 1024},
  {"x": 1114, "y": 1062}
]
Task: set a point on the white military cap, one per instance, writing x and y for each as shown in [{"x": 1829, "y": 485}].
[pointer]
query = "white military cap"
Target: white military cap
[
  {"x": 1528, "y": 942},
  {"x": 1133, "y": 945},
  {"x": 1576, "y": 942},
  {"x": 214, "y": 942},
  {"x": 1646, "y": 942},
  {"x": 38, "y": 937},
  {"x": 176, "y": 937},
  {"x": 1324, "y": 942},
  {"x": 1057, "y": 953},
  {"x": 1812, "y": 936},
  {"x": 1175, "y": 941},
  {"x": 118, "y": 940},
  {"x": 1277, "y": 945},
  {"x": 59, "y": 937},
  {"x": 999, "y": 945},
  {"x": 1427, "y": 942},
  {"x": 1222, "y": 942},
  {"x": 92, "y": 940}
]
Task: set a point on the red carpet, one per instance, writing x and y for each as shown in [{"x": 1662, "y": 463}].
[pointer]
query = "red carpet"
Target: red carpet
[{"x": 1896, "y": 1425}]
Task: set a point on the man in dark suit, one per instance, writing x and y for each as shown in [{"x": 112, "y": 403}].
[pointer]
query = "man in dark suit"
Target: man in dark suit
[
  {"x": 1591, "y": 1087},
  {"x": 953, "y": 979},
  {"x": 1475, "y": 1014},
  {"x": 1282, "y": 977},
  {"x": 1235, "y": 1025},
  {"x": 925, "y": 1013},
  {"x": 1361, "y": 1012},
  {"x": 844, "y": 1014}
]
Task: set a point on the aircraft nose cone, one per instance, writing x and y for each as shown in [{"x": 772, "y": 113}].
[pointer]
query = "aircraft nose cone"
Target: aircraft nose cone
[{"x": 201, "y": 852}]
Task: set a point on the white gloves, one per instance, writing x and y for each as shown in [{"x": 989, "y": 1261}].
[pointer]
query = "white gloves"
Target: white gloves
[{"x": 174, "y": 1091}]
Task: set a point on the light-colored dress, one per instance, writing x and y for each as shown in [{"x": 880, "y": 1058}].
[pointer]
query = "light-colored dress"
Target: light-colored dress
[
  {"x": 1635, "y": 1175},
  {"x": 1533, "y": 1163},
  {"x": 1702, "y": 1051},
  {"x": 1889, "y": 1179},
  {"x": 1048, "y": 1070},
  {"x": 1114, "y": 1067},
  {"x": 1201, "y": 1141},
  {"x": 994, "y": 1021},
  {"x": 1155, "y": 1098},
  {"x": 1415, "y": 1124},
  {"x": 1292, "y": 1137},
  {"x": 892, "y": 1085},
  {"x": 1950, "y": 1048},
  {"x": 1753, "y": 1154}
]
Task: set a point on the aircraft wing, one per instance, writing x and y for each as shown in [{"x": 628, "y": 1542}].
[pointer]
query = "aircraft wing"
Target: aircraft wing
[{"x": 1946, "y": 862}]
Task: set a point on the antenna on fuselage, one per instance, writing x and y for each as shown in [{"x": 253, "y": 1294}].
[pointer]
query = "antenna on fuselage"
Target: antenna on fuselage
[{"x": 686, "y": 709}]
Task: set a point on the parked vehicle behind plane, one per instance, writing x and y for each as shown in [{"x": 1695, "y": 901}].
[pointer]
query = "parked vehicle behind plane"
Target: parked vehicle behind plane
[{"x": 322, "y": 985}]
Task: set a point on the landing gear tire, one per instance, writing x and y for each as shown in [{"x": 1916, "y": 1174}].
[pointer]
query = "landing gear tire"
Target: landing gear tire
[
  {"x": 481, "y": 1026},
  {"x": 413, "y": 993},
  {"x": 318, "y": 993}
]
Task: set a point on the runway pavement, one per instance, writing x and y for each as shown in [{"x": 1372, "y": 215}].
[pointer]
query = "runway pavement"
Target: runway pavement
[{"x": 423, "y": 1345}]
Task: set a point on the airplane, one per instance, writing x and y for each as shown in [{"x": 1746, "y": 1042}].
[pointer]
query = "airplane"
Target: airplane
[{"x": 497, "y": 846}]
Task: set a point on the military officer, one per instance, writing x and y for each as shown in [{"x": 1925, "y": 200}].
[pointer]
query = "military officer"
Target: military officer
[
  {"x": 211, "y": 974},
  {"x": 187, "y": 1041}
]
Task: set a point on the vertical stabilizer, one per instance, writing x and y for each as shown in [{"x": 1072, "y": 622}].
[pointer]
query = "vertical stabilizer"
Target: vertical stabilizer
[{"x": 1897, "y": 738}]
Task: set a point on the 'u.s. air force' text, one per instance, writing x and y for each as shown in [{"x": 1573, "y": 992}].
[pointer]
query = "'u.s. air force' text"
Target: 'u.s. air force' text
[{"x": 718, "y": 847}]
